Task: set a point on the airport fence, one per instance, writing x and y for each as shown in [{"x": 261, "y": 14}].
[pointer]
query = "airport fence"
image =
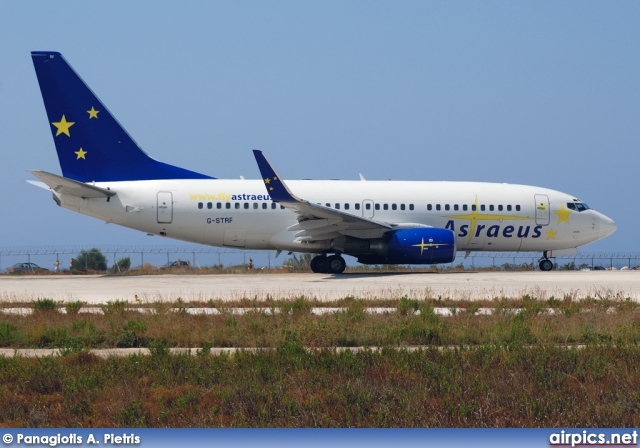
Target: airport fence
[{"x": 206, "y": 256}]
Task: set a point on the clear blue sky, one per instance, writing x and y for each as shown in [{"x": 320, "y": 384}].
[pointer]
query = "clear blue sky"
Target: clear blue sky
[{"x": 537, "y": 92}]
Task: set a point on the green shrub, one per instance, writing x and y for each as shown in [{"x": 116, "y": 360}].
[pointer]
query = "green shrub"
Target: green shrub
[
  {"x": 90, "y": 260},
  {"x": 133, "y": 334},
  {"x": 116, "y": 308},
  {"x": 123, "y": 264},
  {"x": 73, "y": 307},
  {"x": 45, "y": 305}
]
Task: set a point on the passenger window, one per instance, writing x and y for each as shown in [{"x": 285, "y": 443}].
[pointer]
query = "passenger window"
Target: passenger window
[
  {"x": 411, "y": 207},
  {"x": 455, "y": 207},
  {"x": 499, "y": 208},
  {"x": 209, "y": 205},
  {"x": 483, "y": 208},
  {"x": 517, "y": 208},
  {"x": 429, "y": 207},
  {"x": 327, "y": 204},
  {"x": 218, "y": 205},
  {"x": 377, "y": 206},
  {"x": 246, "y": 206},
  {"x": 337, "y": 206},
  {"x": 228, "y": 205},
  {"x": 394, "y": 207},
  {"x": 437, "y": 206},
  {"x": 282, "y": 207},
  {"x": 474, "y": 207},
  {"x": 446, "y": 207},
  {"x": 385, "y": 206},
  {"x": 491, "y": 207},
  {"x": 255, "y": 206},
  {"x": 367, "y": 206},
  {"x": 465, "y": 207},
  {"x": 273, "y": 205},
  {"x": 199, "y": 204},
  {"x": 401, "y": 206},
  {"x": 264, "y": 206},
  {"x": 346, "y": 206},
  {"x": 237, "y": 205},
  {"x": 508, "y": 208},
  {"x": 357, "y": 206}
]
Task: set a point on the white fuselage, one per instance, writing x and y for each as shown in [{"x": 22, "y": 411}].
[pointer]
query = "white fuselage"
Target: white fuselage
[{"x": 239, "y": 213}]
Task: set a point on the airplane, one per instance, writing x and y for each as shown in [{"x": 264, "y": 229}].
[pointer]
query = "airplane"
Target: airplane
[{"x": 106, "y": 175}]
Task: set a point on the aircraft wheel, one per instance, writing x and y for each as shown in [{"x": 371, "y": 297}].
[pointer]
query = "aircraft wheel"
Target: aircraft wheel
[
  {"x": 546, "y": 265},
  {"x": 321, "y": 264},
  {"x": 336, "y": 264},
  {"x": 314, "y": 264}
]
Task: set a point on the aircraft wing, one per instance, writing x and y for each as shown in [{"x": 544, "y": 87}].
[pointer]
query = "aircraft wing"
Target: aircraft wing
[
  {"x": 317, "y": 222},
  {"x": 72, "y": 187}
]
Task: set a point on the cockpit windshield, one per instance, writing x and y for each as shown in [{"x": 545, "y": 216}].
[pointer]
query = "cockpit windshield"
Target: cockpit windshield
[{"x": 577, "y": 206}]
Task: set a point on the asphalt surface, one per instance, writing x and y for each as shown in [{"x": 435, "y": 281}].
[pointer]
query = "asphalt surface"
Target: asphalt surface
[{"x": 96, "y": 289}]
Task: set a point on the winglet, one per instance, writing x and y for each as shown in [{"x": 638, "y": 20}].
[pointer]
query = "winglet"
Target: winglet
[{"x": 276, "y": 187}]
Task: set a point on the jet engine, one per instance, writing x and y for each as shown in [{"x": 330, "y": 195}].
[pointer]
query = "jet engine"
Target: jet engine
[{"x": 412, "y": 246}]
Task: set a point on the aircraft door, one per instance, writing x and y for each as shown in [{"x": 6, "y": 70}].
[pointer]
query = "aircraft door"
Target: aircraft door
[
  {"x": 367, "y": 208},
  {"x": 542, "y": 209},
  {"x": 165, "y": 207}
]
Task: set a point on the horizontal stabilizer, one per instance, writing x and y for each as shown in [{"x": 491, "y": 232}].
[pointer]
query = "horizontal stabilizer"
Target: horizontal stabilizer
[
  {"x": 62, "y": 185},
  {"x": 39, "y": 184}
]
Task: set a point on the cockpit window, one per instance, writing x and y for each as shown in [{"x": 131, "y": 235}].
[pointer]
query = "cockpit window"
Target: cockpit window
[{"x": 577, "y": 206}]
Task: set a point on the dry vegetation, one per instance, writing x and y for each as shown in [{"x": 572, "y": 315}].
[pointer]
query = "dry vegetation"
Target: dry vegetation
[{"x": 576, "y": 365}]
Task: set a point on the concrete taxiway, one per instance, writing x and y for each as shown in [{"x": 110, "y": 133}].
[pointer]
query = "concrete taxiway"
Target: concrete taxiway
[{"x": 96, "y": 289}]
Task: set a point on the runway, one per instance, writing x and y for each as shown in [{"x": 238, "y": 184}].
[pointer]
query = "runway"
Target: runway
[{"x": 96, "y": 289}]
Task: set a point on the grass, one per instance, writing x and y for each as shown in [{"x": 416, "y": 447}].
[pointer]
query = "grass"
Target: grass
[
  {"x": 270, "y": 324},
  {"x": 291, "y": 387},
  {"x": 574, "y": 366}
]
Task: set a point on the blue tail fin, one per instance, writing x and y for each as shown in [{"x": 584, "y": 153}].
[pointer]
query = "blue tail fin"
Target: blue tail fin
[{"x": 91, "y": 144}]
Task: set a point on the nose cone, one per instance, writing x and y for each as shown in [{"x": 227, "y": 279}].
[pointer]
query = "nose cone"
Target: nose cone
[{"x": 606, "y": 226}]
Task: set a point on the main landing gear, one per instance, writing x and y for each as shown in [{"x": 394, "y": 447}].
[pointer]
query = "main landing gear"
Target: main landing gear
[
  {"x": 333, "y": 264},
  {"x": 545, "y": 264}
]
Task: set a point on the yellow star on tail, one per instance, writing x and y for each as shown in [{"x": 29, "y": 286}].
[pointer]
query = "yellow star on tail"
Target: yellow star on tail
[
  {"x": 63, "y": 126},
  {"x": 93, "y": 113},
  {"x": 81, "y": 154}
]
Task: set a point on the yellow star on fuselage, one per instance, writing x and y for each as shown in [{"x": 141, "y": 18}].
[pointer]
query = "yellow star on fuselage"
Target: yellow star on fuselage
[
  {"x": 474, "y": 217},
  {"x": 551, "y": 234},
  {"x": 267, "y": 181},
  {"x": 81, "y": 154},
  {"x": 563, "y": 214},
  {"x": 93, "y": 113},
  {"x": 63, "y": 126}
]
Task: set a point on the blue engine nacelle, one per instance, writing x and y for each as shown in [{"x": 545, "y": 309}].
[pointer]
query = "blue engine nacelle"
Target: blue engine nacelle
[{"x": 422, "y": 245}]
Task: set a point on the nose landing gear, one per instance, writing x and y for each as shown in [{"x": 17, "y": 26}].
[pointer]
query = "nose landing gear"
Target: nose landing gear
[
  {"x": 333, "y": 264},
  {"x": 544, "y": 263}
]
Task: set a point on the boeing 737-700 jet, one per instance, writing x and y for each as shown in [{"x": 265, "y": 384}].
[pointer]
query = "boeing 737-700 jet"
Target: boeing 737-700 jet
[{"x": 107, "y": 176}]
